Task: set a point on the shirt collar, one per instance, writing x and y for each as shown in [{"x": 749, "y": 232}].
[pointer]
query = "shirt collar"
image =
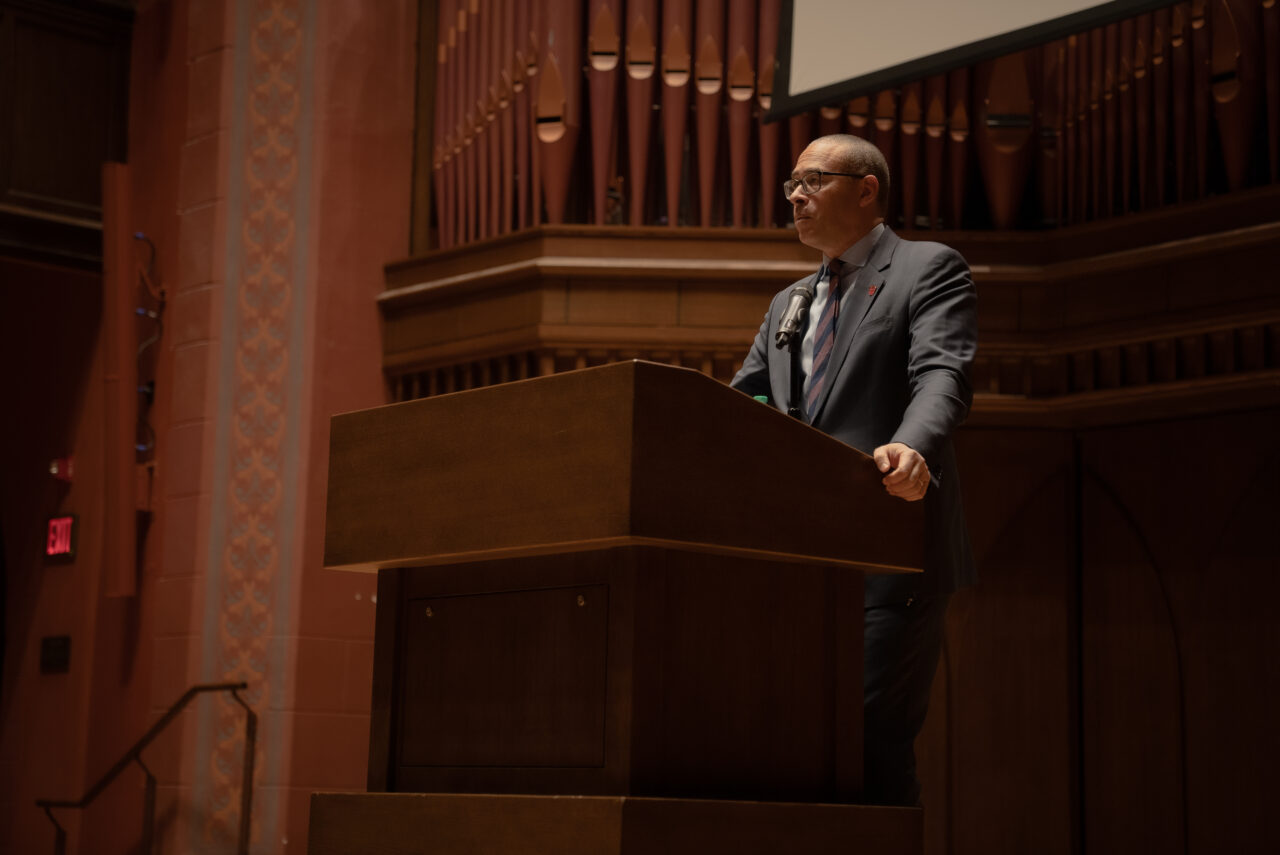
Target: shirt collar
[{"x": 856, "y": 256}]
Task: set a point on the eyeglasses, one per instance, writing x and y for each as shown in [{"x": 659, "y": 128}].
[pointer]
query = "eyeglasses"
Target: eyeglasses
[{"x": 812, "y": 181}]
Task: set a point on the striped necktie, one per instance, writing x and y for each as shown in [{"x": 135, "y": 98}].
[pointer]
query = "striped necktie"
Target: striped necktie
[{"x": 825, "y": 335}]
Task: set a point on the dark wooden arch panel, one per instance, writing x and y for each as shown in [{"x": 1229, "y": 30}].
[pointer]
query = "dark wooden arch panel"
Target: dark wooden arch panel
[
  {"x": 1233, "y": 696},
  {"x": 1004, "y": 692},
  {"x": 1132, "y": 751},
  {"x": 1180, "y": 548},
  {"x": 1011, "y": 710}
]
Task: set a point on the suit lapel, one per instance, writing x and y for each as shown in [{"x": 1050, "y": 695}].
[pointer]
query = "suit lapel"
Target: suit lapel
[{"x": 854, "y": 306}]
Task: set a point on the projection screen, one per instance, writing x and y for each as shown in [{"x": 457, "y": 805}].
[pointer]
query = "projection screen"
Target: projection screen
[{"x": 832, "y": 50}]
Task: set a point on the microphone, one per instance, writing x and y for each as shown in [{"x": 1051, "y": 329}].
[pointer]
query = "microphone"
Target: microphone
[{"x": 794, "y": 317}]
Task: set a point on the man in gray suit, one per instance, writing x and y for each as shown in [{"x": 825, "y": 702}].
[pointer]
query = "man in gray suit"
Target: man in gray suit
[{"x": 886, "y": 353}]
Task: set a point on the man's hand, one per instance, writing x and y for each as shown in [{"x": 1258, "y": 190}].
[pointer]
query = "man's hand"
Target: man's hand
[{"x": 908, "y": 475}]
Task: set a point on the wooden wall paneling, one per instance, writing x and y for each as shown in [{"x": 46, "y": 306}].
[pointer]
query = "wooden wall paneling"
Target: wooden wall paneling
[
  {"x": 1221, "y": 352},
  {"x": 1184, "y": 743},
  {"x": 1271, "y": 74},
  {"x": 912, "y": 124},
  {"x": 1230, "y": 648},
  {"x": 709, "y": 31},
  {"x": 1200, "y": 59},
  {"x": 492, "y": 654},
  {"x": 933, "y": 760},
  {"x": 1252, "y": 345},
  {"x": 558, "y": 110},
  {"x": 603, "y": 50},
  {"x": 600, "y": 825},
  {"x": 507, "y": 76},
  {"x": 382, "y": 718},
  {"x": 1191, "y": 356},
  {"x": 1049, "y": 151},
  {"x": 1108, "y": 367},
  {"x": 1271, "y": 340},
  {"x": 957, "y": 143},
  {"x": 740, "y": 85},
  {"x": 1161, "y": 82},
  {"x": 1010, "y": 653},
  {"x": 885, "y": 136},
  {"x": 1181, "y": 74},
  {"x": 641, "y": 63},
  {"x": 769, "y": 134},
  {"x": 1132, "y": 755},
  {"x": 1234, "y": 89},
  {"x": 64, "y": 69},
  {"x": 1082, "y": 371},
  {"x": 1003, "y": 132},
  {"x": 1137, "y": 364},
  {"x": 1125, "y": 96},
  {"x": 677, "y": 71},
  {"x": 524, "y": 67}
]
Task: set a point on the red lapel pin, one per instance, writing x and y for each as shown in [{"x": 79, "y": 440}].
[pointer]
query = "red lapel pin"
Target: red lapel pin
[{"x": 871, "y": 292}]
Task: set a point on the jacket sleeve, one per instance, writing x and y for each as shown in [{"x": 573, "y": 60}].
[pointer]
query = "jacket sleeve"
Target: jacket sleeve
[
  {"x": 943, "y": 330},
  {"x": 753, "y": 377}
]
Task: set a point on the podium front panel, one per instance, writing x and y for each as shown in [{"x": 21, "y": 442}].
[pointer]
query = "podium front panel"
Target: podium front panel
[{"x": 634, "y": 671}]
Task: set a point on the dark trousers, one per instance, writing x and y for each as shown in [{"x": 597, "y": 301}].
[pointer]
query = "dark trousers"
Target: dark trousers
[{"x": 902, "y": 644}]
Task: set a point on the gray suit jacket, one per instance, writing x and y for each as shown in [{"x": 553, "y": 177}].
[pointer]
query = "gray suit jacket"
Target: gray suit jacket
[{"x": 899, "y": 372}]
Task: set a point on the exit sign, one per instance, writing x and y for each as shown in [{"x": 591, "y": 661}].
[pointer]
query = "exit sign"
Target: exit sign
[{"x": 60, "y": 538}]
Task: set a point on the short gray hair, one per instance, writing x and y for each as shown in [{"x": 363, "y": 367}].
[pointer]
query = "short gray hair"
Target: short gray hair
[{"x": 864, "y": 158}]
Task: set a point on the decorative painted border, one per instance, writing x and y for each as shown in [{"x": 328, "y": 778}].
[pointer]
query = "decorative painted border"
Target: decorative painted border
[{"x": 255, "y": 511}]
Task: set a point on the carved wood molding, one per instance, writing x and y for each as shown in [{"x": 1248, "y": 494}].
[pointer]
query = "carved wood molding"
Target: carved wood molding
[{"x": 1078, "y": 325}]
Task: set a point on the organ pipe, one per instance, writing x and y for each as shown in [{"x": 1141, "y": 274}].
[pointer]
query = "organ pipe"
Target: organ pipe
[{"x": 1171, "y": 105}]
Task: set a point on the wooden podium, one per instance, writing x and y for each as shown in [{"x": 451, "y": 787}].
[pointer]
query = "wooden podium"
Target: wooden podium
[{"x": 629, "y": 583}]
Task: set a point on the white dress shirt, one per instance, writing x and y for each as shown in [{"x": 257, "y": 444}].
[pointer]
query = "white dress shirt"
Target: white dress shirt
[{"x": 854, "y": 258}]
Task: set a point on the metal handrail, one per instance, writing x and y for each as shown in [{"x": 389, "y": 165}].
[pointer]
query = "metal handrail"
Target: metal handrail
[{"x": 133, "y": 755}]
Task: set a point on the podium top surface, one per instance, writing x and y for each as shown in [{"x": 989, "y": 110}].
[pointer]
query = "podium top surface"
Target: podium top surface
[{"x": 627, "y": 453}]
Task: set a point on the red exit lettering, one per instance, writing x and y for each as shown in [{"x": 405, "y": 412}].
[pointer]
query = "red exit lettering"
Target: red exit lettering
[{"x": 59, "y": 539}]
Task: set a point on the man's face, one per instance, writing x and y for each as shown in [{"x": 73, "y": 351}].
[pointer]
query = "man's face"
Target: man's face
[{"x": 834, "y": 218}]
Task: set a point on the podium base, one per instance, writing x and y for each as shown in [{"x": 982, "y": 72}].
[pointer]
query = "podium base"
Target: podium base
[{"x": 450, "y": 824}]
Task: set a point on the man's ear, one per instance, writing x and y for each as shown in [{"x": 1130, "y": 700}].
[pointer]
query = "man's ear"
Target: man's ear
[{"x": 870, "y": 191}]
